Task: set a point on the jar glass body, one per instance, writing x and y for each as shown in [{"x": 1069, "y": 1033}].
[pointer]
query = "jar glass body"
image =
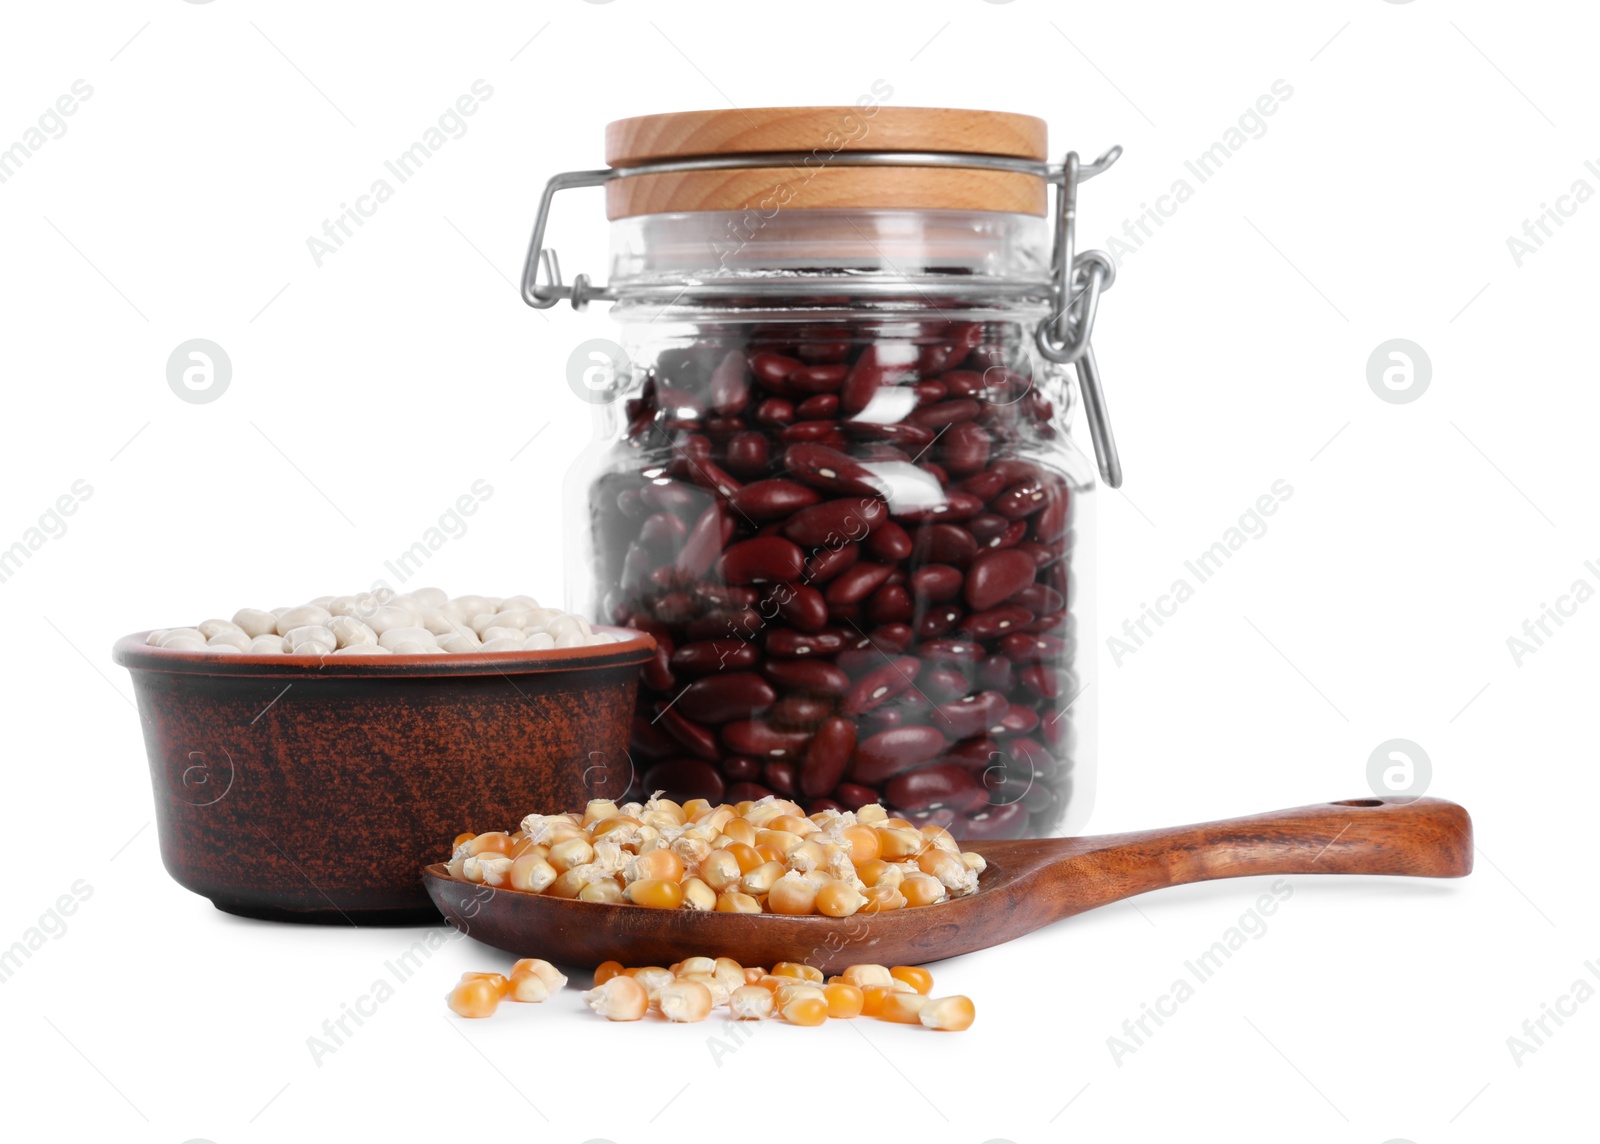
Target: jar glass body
[{"x": 834, "y": 480}]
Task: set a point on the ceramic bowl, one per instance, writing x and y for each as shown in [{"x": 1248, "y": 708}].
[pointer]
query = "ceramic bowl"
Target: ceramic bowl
[{"x": 315, "y": 789}]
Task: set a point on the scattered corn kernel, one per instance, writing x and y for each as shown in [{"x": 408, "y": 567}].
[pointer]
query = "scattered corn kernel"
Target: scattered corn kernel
[
  {"x": 685, "y": 1001},
  {"x": 619, "y": 999},
  {"x": 474, "y": 997},
  {"x": 913, "y": 975},
  {"x": 606, "y": 970},
  {"x": 750, "y": 1003},
  {"x": 844, "y": 1000},
  {"x": 950, "y": 1013},
  {"x": 902, "y": 1008},
  {"x": 806, "y": 1010}
]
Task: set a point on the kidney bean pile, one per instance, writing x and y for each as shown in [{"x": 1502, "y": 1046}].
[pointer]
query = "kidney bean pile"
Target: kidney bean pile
[{"x": 817, "y": 640}]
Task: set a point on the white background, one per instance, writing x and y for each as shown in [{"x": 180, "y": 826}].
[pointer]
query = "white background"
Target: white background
[{"x": 369, "y": 393}]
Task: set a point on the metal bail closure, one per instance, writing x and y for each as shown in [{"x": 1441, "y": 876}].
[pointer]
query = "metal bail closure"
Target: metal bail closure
[{"x": 1078, "y": 281}]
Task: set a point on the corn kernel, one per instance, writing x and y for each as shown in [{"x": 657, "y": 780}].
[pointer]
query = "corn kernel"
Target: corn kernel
[
  {"x": 658, "y": 893},
  {"x": 922, "y": 890},
  {"x": 838, "y": 899},
  {"x": 746, "y": 856},
  {"x": 913, "y": 975},
  {"x": 883, "y": 898},
  {"x": 872, "y": 997},
  {"x": 606, "y": 970},
  {"x": 761, "y": 879},
  {"x": 527, "y": 986},
  {"x": 737, "y": 903},
  {"x": 685, "y": 1001},
  {"x": 474, "y": 997},
  {"x": 619, "y": 999},
  {"x": 721, "y": 870},
  {"x": 697, "y": 895},
  {"x": 950, "y": 1013},
  {"x": 844, "y": 1000},
  {"x": 805, "y": 1011},
  {"x": 902, "y": 1008},
  {"x": 605, "y": 893},
  {"x": 551, "y": 976},
  {"x": 750, "y": 1003},
  {"x": 868, "y": 974},
  {"x": 501, "y": 983},
  {"x": 573, "y": 852},
  {"x": 791, "y": 894}
]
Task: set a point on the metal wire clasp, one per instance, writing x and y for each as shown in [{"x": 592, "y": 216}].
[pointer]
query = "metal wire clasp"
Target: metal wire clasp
[{"x": 1077, "y": 280}]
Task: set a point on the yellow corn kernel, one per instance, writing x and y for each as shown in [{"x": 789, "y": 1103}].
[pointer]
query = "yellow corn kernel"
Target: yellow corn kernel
[
  {"x": 660, "y": 863},
  {"x": 696, "y": 965},
  {"x": 868, "y": 974},
  {"x": 729, "y": 972},
  {"x": 913, "y": 975},
  {"x": 532, "y": 873},
  {"x": 839, "y": 899},
  {"x": 806, "y": 856},
  {"x": 794, "y": 824},
  {"x": 501, "y": 983},
  {"x": 551, "y": 976},
  {"x": 798, "y": 969},
  {"x": 721, "y": 870},
  {"x": 750, "y": 1003},
  {"x": 974, "y": 861},
  {"x": 684, "y": 1001},
  {"x": 879, "y": 898},
  {"x": 872, "y": 814},
  {"x": 922, "y": 890},
  {"x": 763, "y": 877},
  {"x": 598, "y": 810},
  {"x": 657, "y": 893},
  {"x": 695, "y": 807},
  {"x": 605, "y": 893},
  {"x": 863, "y": 842},
  {"x": 691, "y": 851},
  {"x": 619, "y": 999},
  {"x": 573, "y": 852},
  {"x": 940, "y": 838},
  {"x": 697, "y": 895},
  {"x": 719, "y": 991},
  {"x": 790, "y": 990},
  {"x": 753, "y": 974},
  {"x": 737, "y": 903},
  {"x": 951, "y": 871},
  {"x": 474, "y": 997},
  {"x": 844, "y": 1000},
  {"x": 782, "y": 841},
  {"x": 623, "y": 822},
  {"x": 527, "y": 986},
  {"x": 769, "y": 853},
  {"x": 902, "y": 1008},
  {"x": 895, "y": 844},
  {"x": 740, "y": 830},
  {"x": 493, "y": 842},
  {"x": 877, "y": 872},
  {"x": 805, "y": 1011},
  {"x": 653, "y": 977},
  {"x": 792, "y": 894},
  {"x": 606, "y": 970},
  {"x": 462, "y": 839},
  {"x": 950, "y": 1013},
  {"x": 526, "y": 845},
  {"x": 872, "y": 999},
  {"x": 746, "y": 856}
]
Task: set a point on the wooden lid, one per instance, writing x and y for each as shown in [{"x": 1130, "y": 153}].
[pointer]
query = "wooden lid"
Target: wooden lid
[{"x": 815, "y": 184}]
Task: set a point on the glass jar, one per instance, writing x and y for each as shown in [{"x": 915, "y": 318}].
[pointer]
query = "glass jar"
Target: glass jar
[{"x": 832, "y": 474}]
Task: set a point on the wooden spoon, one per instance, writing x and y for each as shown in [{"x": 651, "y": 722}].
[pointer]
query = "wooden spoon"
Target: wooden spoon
[{"x": 1029, "y": 883}]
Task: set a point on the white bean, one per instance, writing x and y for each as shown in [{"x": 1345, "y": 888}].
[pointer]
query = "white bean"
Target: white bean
[
  {"x": 320, "y": 602},
  {"x": 470, "y": 606},
  {"x": 392, "y": 637},
  {"x": 571, "y": 639},
  {"x": 235, "y": 639},
  {"x": 442, "y": 623},
  {"x": 459, "y": 644},
  {"x": 363, "y": 649},
  {"x": 305, "y": 615},
  {"x": 310, "y": 633},
  {"x": 430, "y": 597},
  {"x": 498, "y": 633},
  {"x": 154, "y": 638},
  {"x": 519, "y": 603},
  {"x": 597, "y": 639},
  {"x": 223, "y": 649},
  {"x": 482, "y": 622},
  {"x": 183, "y": 643},
  {"x": 411, "y": 647},
  {"x": 388, "y": 616},
  {"x": 185, "y": 635},
  {"x": 504, "y": 643},
  {"x": 313, "y": 647},
  {"x": 269, "y": 645},
  {"x": 539, "y": 641},
  {"x": 209, "y": 628},
  {"x": 562, "y": 626},
  {"x": 255, "y": 622},
  {"x": 350, "y": 631}
]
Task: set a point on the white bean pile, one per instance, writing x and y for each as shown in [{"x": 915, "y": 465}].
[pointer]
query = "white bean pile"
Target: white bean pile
[{"x": 423, "y": 622}]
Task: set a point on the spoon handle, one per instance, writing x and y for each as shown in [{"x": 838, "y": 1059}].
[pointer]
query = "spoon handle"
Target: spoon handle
[{"x": 1420, "y": 838}]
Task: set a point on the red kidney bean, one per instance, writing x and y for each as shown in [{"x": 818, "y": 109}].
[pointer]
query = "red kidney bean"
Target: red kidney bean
[
  {"x": 773, "y": 499},
  {"x": 818, "y": 379},
  {"x": 892, "y": 638},
  {"x": 725, "y": 623},
  {"x": 747, "y": 454},
  {"x": 856, "y": 583},
  {"x": 941, "y": 784},
  {"x": 704, "y": 541},
  {"x": 993, "y": 823},
  {"x": 976, "y": 755},
  {"x": 887, "y": 753},
  {"x": 855, "y": 796},
  {"x": 724, "y": 697},
  {"x": 856, "y": 660},
  {"x": 936, "y": 582},
  {"x": 761, "y": 740},
  {"x": 675, "y": 496},
  {"x": 987, "y": 527},
  {"x": 823, "y": 564},
  {"x": 813, "y": 676},
  {"x": 657, "y": 671},
  {"x": 957, "y": 506},
  {"x": 1018, "y": 720},
  {"x": 810, "y": 431},
  {"x": 985, "y": 485},
  {"x": 799, "y": 712},
  {"x": 878, "y": 365},
  {"x": 822, "y": 407},
  {"x": 959, "y": 652},
  {"x": 889, "y": 542},
  {"x": 782, "y": 777},
  {"x": 964, "y": 383},
  {"x": 942, "y": 684},
  {"x": 996, "y": 576},
  {"x": 929, "y": 392},
  {"x": 1022, "y": 499},
  {"x": 973, "y": 715},
  {"x": 881, "y": 684},
  {"x": 740, "y": 768},
  {"x": 994, "y": 622},
  {"x": 1051, "y": 523},
  {"x": 826, "y": 344},
  {"x": 765, "y": 558},
  {"x": 946, "y": 413},
  {"x": 801, "y": 606},
  {"x": 775, "y": 411},
  {"x": 1031, "y": 648},
  {"x": 747, "y": 792},
  {"x": 943, "y": 544},
  {"x": 1041, "y": 599},
  {"x": 903, "y": 434},
  {"x": 708, "y": 656},
  {"x": 964, "y": 448},
  {"x": 890, "y": 604},
  {"x": 771, "y": 368},
  {"x": 730, "y": 384},
  {"x": 1046, "y": 682},
  {"x": 690, "y": 778},
  {"x": 663, "y": 531},
  {"x": 648, "y": 741},
  {"x": 787, "y": 644},
  {"x": 695, "y": 738},
  {"x": 938, "y": 621},
  {"x": 995, "y": 673},
  {"x": 828, "y": 469},
  {"x": 827, "y": 756},
  {"x": 710, "y": 475},
  {"x": 836, "y": 521}
]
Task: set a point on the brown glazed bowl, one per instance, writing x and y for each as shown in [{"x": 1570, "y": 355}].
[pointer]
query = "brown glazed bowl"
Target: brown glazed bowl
[{"x": 315, "y": 789}]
